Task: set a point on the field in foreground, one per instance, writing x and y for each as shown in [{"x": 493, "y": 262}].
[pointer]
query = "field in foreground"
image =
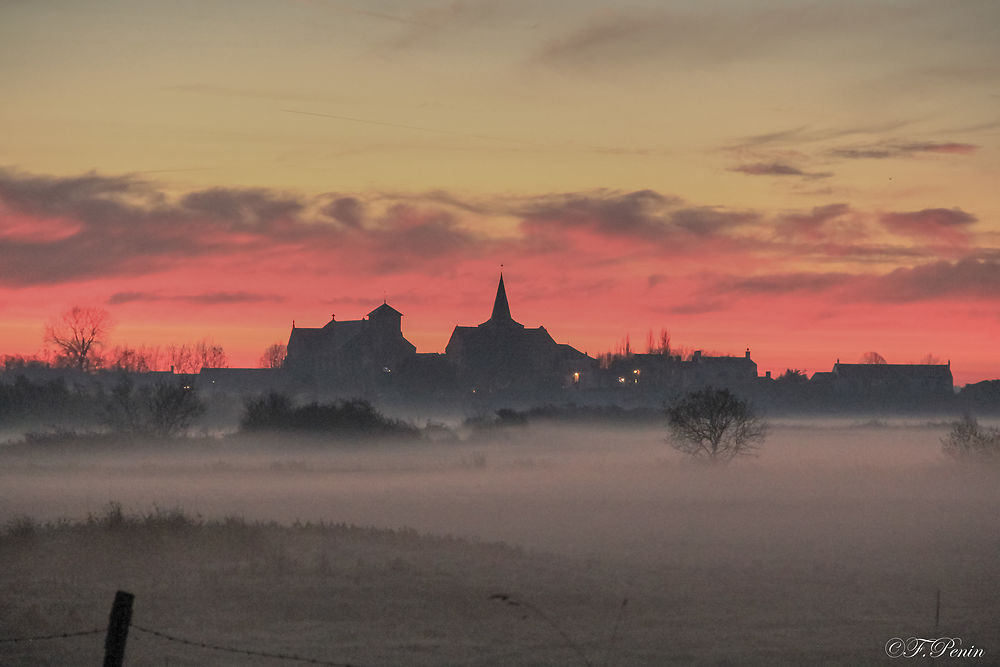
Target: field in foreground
[{"x": 831, "y": 543}]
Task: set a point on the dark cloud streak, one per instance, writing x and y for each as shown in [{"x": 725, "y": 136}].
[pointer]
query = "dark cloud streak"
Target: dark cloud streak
[{"x": 777, "y": 169}]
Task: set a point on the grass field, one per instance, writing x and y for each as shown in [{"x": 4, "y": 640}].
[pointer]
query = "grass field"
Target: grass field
[{"x": 833, "y": 541}]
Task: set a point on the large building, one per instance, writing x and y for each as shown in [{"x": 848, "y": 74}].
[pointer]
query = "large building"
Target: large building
[
  {"x": 502, "y": 355},
  {"x": 351, "y": 354},
  {"x": 893, "y": 380}
]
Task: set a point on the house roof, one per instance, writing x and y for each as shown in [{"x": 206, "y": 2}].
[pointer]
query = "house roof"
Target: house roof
[{"x": 888, "y": 370}]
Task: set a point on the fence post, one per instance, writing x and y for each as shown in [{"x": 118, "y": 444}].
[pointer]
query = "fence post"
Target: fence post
[{"x": 118, "y": 622}]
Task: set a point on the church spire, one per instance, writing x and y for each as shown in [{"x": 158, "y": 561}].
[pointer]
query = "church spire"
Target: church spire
[{"x": 501, "y": 309}]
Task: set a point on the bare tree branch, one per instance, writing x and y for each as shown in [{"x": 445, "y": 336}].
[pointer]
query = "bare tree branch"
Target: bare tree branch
[
  {"x": 79, "y": 333},
  {"x": 714, "y": 425}
]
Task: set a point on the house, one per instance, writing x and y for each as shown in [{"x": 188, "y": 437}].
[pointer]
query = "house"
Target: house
[
  {"x": 669, "y": 372},
  {"x": 893, "y": 380}
]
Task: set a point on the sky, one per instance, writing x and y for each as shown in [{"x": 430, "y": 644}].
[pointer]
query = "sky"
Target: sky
[{"x": 810, "y": 180}]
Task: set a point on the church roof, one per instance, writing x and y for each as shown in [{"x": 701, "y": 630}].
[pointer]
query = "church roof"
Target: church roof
[{"x": 385, "y": 308}]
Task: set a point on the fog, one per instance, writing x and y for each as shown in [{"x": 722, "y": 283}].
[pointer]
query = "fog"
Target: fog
[
  {"x": 832, "y": 516},
  {"x": 603, "y": 491}
]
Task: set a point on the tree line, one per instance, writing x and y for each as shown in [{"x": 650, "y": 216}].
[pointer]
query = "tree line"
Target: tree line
[{"x": 80, "y": 338}]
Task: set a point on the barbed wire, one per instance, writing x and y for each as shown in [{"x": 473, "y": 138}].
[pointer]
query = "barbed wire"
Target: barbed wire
[
  {"x": 241, "y": 651},
  {"x": 61, "y": 635}
]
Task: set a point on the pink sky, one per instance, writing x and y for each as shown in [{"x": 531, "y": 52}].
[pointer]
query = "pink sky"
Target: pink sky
[{"x": 808, "y": 181}]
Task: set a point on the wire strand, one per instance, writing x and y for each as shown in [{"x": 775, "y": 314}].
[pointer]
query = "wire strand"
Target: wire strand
[
  {"x": 61, "y": 635},
  {"x": 233, "y": 649}
]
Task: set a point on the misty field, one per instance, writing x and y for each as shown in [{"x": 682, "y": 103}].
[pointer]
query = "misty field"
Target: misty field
[{"x": 834, "y": 540}]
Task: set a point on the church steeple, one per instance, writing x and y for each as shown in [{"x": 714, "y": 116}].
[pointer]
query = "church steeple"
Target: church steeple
[{"x": 501, "y": 309}]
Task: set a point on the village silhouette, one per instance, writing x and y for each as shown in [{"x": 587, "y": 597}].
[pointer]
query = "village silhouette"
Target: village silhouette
[{"x": 503, "y": 362}]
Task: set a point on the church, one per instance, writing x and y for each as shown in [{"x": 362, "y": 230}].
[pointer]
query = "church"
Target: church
[
  {"x": 350, "y": 354},
  {"x": 502, "y": 355}
]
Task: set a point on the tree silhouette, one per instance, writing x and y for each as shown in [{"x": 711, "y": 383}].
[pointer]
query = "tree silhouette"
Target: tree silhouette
[
  {"x": 141, "y": 359},
  {"x": 79, "y": 333},
  {"x": 872, "y": 358},
  {"x": 967, "y": 440},
  {"x": 163, "y": 410},
  {"x": 190, "y": 358},
  {"x": 274, "y": 356},
  {"x": 793, "y": 375},
  {"x": 714, "y": 426}
]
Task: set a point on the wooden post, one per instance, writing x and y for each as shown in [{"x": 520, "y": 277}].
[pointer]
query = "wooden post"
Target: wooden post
[
  {"x": 937, "y": 613},
  {"x": 118, "y": 622}
]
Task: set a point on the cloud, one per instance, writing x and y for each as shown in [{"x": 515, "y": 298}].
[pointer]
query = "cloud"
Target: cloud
[
  {"x": 804, "y": 134},
  {"x": 699, "y": 37},
  {"x": 967, "y": 278},
  {"x": 785, "y": 283},
  {"x": 641, "y": 216},
  {"x": 242, "y": 208},
  {"x": 943, "y": 224},
  {"x": 605, "y": 37},
  {"x": 883, "y": 151},
  {"x": 131, "y": 297},
  {"x": 643, "y": 213},
  {"x": 220, "y": 298},
  {"x": 777, "y": 169},
  {"x": 347, "y": 210},
  {"x": 815, "y": 225},
  {"x": 408, "y": 233},
  {"x": 122, "y": 226},
  {"x": 206, "y": 298}
]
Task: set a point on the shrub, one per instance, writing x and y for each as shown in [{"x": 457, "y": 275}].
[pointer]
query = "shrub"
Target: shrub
[
  {"x": 967, "y": 440},
  {"x": 162, "y": 410},
  {"x": 275, "y": 412}
]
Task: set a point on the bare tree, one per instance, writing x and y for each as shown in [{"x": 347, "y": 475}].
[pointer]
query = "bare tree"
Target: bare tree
[
  {"x": 182, "y": 358},
  {"x": 79, "y": 333},
  {"x": 714, "y": 426},
  {"x": 210, "y": 355},
  {"x": 274, "y": 356},
  {"x": 140, "y": 359},
  {"x": 190, "y": 358},
  {"x": 659, "y": 345},
  {"x": 163, "y": 410},
  {"x": 931, "y": 359},
  {"x": 872, "y": 358},
  {"x": 664, "y": 342}
]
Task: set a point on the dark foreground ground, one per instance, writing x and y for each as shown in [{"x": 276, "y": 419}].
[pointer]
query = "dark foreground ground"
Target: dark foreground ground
[{"x": 834, "y": 541}]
